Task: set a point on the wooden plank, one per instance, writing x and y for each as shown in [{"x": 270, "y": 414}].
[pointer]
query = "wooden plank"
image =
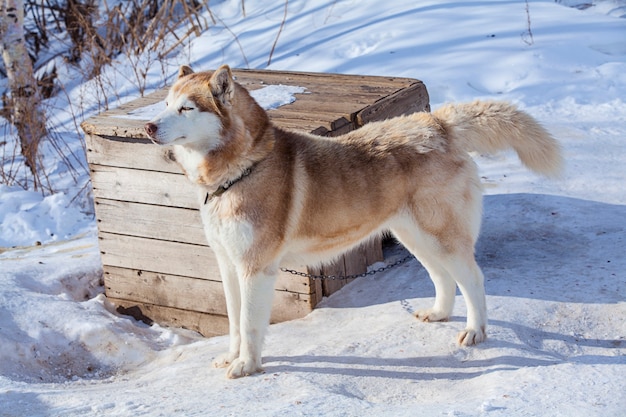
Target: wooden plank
[
  {"x": 373, "y": 251},
  {"x": 341, "y": 130},
  {"x": 306, "y": 120},
  {"x": 158, "y": 256},
  {"x": 318, "y": 288},
  {"x": 355, "y": 261},
  {"x": 186, "y": 293},
  {"x": 323, "y": 107},
  {"x": 409, "y": 100},
  {"x": 150, "y": 221},
  {"x": 174, "y": 258},
  {"x": 288, "y": 281},
  {"x": 106, "y": 125},
  {"x": 301, "y": 125},
  {"x": 140, "y": 186},
  {"x": 290, "y": 305},
  {"x": 123, "y": 153},
  {"x": 321, "y": 80},
  {"x": 207, "y": 325},
  {"x": 337, "y": 269}
]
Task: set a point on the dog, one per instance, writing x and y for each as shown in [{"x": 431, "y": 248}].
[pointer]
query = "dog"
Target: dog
[{"x": 269, "y": 195}]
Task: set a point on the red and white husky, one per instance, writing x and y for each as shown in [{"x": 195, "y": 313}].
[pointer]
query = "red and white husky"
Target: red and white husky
[{"x": 268, "y": 195}]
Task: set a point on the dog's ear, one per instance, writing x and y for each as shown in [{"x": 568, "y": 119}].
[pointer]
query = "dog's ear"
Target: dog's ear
[
  {"x": 222, "y": 85},
  {"x": 184, "y": 70}
]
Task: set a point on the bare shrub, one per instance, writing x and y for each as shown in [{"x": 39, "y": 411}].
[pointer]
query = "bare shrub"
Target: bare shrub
[{"x": 146, "y": 32}]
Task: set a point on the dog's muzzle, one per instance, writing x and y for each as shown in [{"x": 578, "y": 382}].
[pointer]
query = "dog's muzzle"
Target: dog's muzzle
[{"x": 151, "y": 131}]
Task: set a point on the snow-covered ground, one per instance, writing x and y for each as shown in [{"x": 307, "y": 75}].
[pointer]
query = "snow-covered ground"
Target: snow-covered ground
[{"x": 553, "y": 251}]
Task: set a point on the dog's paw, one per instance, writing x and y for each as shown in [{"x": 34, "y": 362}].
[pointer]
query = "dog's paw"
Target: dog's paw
[
  {"x": 224, "y": 360},
  {"x": 469, "y": 337},
  {"x": 240, "y": 368},
  {"x": 431, "y": 315}
]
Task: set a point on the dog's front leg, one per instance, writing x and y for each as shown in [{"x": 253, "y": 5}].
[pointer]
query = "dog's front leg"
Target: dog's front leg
[
  {"x": 232, "y": 292},
  {"x": 257, "y": 291}
]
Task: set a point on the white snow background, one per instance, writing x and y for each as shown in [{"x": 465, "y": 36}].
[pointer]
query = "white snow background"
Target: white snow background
[{"x": 553, "y": 251}]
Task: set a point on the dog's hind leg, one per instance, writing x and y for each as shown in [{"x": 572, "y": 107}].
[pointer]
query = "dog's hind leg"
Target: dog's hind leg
[
  {"x": 445, "y": 291},
  {"x": 469, "y": 278},
  {"x": 445, "y": 286},
  {"x": 257, "y": 291},
  {"x": 447, "y": 270}
]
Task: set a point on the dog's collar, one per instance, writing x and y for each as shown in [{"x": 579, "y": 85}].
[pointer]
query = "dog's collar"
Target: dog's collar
[{"x": 224, "y": 187}]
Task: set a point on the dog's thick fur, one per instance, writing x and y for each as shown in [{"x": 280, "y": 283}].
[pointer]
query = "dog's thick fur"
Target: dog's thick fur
[{"x": 307, "y": 198}]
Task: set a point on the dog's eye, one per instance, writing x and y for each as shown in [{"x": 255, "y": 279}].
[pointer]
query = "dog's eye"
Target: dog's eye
[{"x": 183, "y": 108}]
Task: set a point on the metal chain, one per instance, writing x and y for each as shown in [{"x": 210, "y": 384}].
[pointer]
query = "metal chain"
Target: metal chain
[{"x": 334, "y": 277}]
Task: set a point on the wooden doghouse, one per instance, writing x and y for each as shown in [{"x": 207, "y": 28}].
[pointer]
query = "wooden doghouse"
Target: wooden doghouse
[{"x": 157, "y": 264}]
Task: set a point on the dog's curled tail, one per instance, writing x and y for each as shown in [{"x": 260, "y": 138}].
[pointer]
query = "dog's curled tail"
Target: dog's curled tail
[{"x": 492, "y": 126}]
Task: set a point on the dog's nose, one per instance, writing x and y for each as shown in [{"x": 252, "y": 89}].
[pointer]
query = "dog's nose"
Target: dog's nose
[{"x": 151, "y": 129}]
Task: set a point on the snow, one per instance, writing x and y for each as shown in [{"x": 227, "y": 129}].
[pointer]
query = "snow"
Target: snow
[
  {"x": 274, "y": 96},
  {"x": 553, "y": 251}
]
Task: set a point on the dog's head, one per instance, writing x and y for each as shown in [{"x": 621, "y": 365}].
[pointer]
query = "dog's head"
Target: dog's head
[{"x": 198, "y": 108}]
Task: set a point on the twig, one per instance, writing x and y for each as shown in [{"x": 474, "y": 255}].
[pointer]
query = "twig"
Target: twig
[
  {"x": 529, "y": 33},
  {"x": 83, "y": 188},
  {"x": 280, "y": 29},
  {"x": 236, "y": 40}
]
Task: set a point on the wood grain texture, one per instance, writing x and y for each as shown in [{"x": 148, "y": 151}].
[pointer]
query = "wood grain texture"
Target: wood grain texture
[
  {"x": 120, "y": 152},
  {"x": 186, "y": 293},
  {"x": 208, "y": 325},
  {"x": 150, "y": 221},
  {"x": 175, "y": 258},
  {"x": 141, "y": 186},
  {"x": 328, "y": 98}
]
